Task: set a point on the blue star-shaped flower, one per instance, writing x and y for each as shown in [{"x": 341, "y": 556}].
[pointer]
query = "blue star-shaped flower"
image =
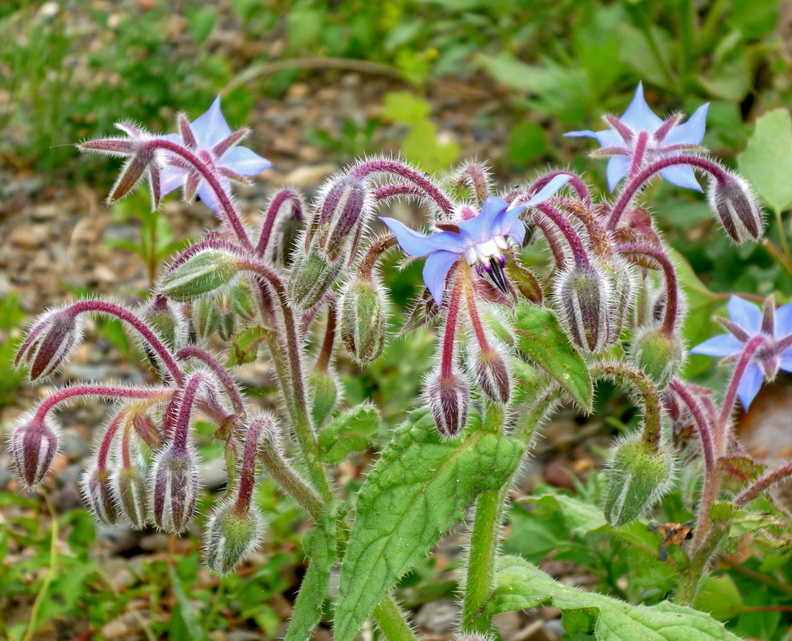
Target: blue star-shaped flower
[
  {"x": 748, "y": 321},
  {"x": 639, "y": 130},
  {"x": 215, "y": 143},
  {"x": 479, "y": 239}
]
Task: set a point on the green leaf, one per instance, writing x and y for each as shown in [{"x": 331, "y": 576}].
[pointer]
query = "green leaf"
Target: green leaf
[
  {"x": 351, "y": 431},
  {"x": 721, "y": 598},
  {"x": 185, "y": 616},
  {"x": 767, "y": 160},
  {"x": 320, "y": 543},
  {"x": 418, "y": 490},
  {"x": 542, "y": 338},
  {"x": 520, "y": 585},
  {"x": 245, "y": 345},
  {"x": 202, "y": 21},
  {"x": 582, "y": 518}
]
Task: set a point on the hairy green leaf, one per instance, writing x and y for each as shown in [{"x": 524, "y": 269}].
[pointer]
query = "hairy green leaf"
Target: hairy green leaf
[
  {"x": 244, "y": 346},
  {"x": 351, "y": 431},
  {"x": 418, "y": 490},
  {"x": 767, "y": 160},
  {"x": 541, "y": 337},
  {"x": 520, "y": 585}
]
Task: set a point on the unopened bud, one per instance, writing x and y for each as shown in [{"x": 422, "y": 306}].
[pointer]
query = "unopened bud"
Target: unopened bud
[
  {"x": 285, "y": 241},
  {"x": 324, "y": 395},
  {"x": 130, "y": 488},
  {"x": 737, "y": 208},
  {"x": 582, "y": 298},
  {"x": 167, "y": 321},
  {"x": 448, "y": 399},
  {"x": 244, "y": 302},
  {"x": 363, "y": 319},
  {"x": 492, "y": 375},
  {"x": 33, "y": 444},
  {"x": 340, "y": 217},
  {"x": 206, "y": 272},
  {"x": 231, "y": 536},
  {"x": 621, "y": 291},
  {"x": 49, "y": 343},
  {"x": 659, "y": 354},
  {"x": 205, "y": 318},
  {"x": 175, "y": 477},
  {"x": 640, "y": 474},
  {"x": 98, "y": 494},
  {"x": 312, "y": 275},
  {"x": 226, "y": 315}
]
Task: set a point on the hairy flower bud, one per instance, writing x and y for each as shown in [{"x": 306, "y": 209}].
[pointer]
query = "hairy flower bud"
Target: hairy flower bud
[
  {"x": 324, "y": 395},
  {"x": 33, "y": 444},
  {"x": 49, "y": 343},
  {"x": 363, "y": 319},
  {"x": 341, "y": 216},
  {"x": 620, "y": 287},
  {"x": 659, "y": 354},
  {"x": 492, "y": 375},
  {"x": 231, "y": 536},
  {"x": 737, "y": 208},
  {"x": 175, "y": 478},
  {"x": 205, "y": 272},
  {"x": 448, "y": 399},
  {"x": 640, "y": 475},
  {"x": 226, "y": 313},
  {"x": 167, "y": 321},
  {"x": 130, "y": 488},
  {"x": 583, "y": 301},
  {"x": 312, "y": 275},
  {"x": 205, "y": 318},
  {"x": 98, "y": 494}
]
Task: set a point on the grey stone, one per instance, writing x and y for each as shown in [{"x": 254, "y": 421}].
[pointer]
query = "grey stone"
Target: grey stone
[{"x": 439, "y": 617}]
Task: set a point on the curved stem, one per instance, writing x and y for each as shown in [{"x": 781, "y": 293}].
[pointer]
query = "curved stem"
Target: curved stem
[
  {"x": 573, "y": 239},
  {"x": 374, "y": 254},
  {"x": 475, "y": 178},
  {"x": 634, "y": 185},
  {"x": 182, "y": 427},
  {"x": 160, "y": 394},
  {"x": 279, "y": 201},
  {"x": 209, "y": 243},
  {"x": 598, "y": 237},
  {"x": 326, "y": 351},
  {"x": 122, "y": 313},
  {"x": 553, "y": 241},
  {"x": 731, "y": 392},
  {"x": 393, "y": 191},
  {"x": 219, "y": 370},
  {"x": 750, "y": 493},
  {"x": 449, "y": 337},
  {"x": 669, "y": 274},
  {"x": 575, "y": 182}
]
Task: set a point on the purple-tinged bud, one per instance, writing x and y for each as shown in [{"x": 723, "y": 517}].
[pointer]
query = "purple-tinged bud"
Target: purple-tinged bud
[
  {"x": 640, "y": 474},
  {"x": 175, "y": 478},
  {"x": 98, "y": 494},
  {"x": 363, "y": 320},
  {"x": 448, "y": 398},
  {"x": 621, "y": 288},
  {"x": 312, "y": 276},
  {"x": 33, "y": 443},
  {"x": 205, "y": 272},
  {"x": 659, "y": 354},
  {"x": 129, "y": 484},
  {"x": 49, "y": 343},
  {"x": 737, "y": 208},
  {"x": 341, "y": 216},
  {"x": 148, "y": 432},
  {"x": 584, "y": 305},
  {"x": 231, "y": 537},
  {"x": 285, "y": 241},
  {"x": 492, "y": 375},
  {"x": 324, "y": 394},
  {"x": 205, "y": 318}
]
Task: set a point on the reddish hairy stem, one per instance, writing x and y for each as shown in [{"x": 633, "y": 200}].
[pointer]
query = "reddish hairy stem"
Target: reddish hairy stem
[
  {"x": 247, "y": 474},
  {"x": 449, "y": 338},
  {"x": 107, "y": 391},
  {"x": 575, "y": 182},
  {"x": 731, "y": 392},
  {"x": 374, "y": 253},
  {"x": 281, "y": 199},
  {"x": 669, "y": 274},
  {"x": 182, "y": 427},
  {"x": 638, "y": 155},
  {"x": 475, "y": 319},
  {"x": 326, "y": 351},
  {"x": 750, "y": 493},
  {"x": 473, "y": 175},
  {"x": 211, "y": 243},
  {"x": 570, "y": 235},
  {"x": 399, "y": 189},
  {"x": 219, "y": 370}
]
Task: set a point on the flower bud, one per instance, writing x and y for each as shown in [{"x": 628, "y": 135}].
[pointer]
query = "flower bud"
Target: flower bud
[
  {"x": 659, "y": 354},
  {"x": 33, "y": 444},
  {"x": 130, "y": 488},
  {"x": 205, "y": 318},
  {"x": 448, "y": 398},
  {"x": 175, "y": 477},
  {"x": 226, "y": 315},
  {"x": 341, "y": 215},
  {"x": 167, "y": 321},
  {"x": 50, "y": 342},
  {"x": 324, "y": 388},
  {"x": 312, "y": 275},
  {"x": 737, "y": 208},
  {"x": 492, "y": 375},
  {"x": 620, "y": 287},
  {"x": 231, "y": 536},
  {"x": 363, "y": 319},
  {"x": 98, "y": 494},
  {"x": 205, "y": 272},
  {"x": 285, "y": 241},
  {"x": 640, "y": 475},
  {"x": 582, "y": 299}
]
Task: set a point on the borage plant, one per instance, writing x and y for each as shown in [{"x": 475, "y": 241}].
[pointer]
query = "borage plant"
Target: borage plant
[{"x": 513, "y": 344}]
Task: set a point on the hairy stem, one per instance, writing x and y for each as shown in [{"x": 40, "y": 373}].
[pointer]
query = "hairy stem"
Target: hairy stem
[
  {"x": 672, "y": 308},
  {"x": 391, "y": 621}
]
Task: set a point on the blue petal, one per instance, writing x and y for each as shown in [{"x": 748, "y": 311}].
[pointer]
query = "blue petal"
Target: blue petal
[
  {"x": 586, "y": 133},
  {"x": 244, "y": 161},
  {"x": 435, "y": 271},
  {"x": 507, "y": 220},
  {"x": 786, "y": 360},
  {"x": 417, "y": 244},
  {"x": 745, "y": 314},
  {"x": 690, "y": 132},
  {"x": 207, "y": 195},
  {"x": 482, "y": 227},
  {"x": 750, "y": 384},
  {"x": 783, "y": 321},
  {"x": 639, "y": 117},
  {"x": 549, "y": 190},
  {"x": 170, "y": 178},
  {"x": 516, "y": 232},
  {"x": 682, "y": 176},
  {"x": 618, "y": 166},
  {"x": 211, "y": 127},
  {"x": 720, "y": 346},
  {"x": 606, "y": 137}
]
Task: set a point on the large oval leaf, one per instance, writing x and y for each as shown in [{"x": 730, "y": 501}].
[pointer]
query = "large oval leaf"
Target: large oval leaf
[{"x": 418, "y": 490}]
